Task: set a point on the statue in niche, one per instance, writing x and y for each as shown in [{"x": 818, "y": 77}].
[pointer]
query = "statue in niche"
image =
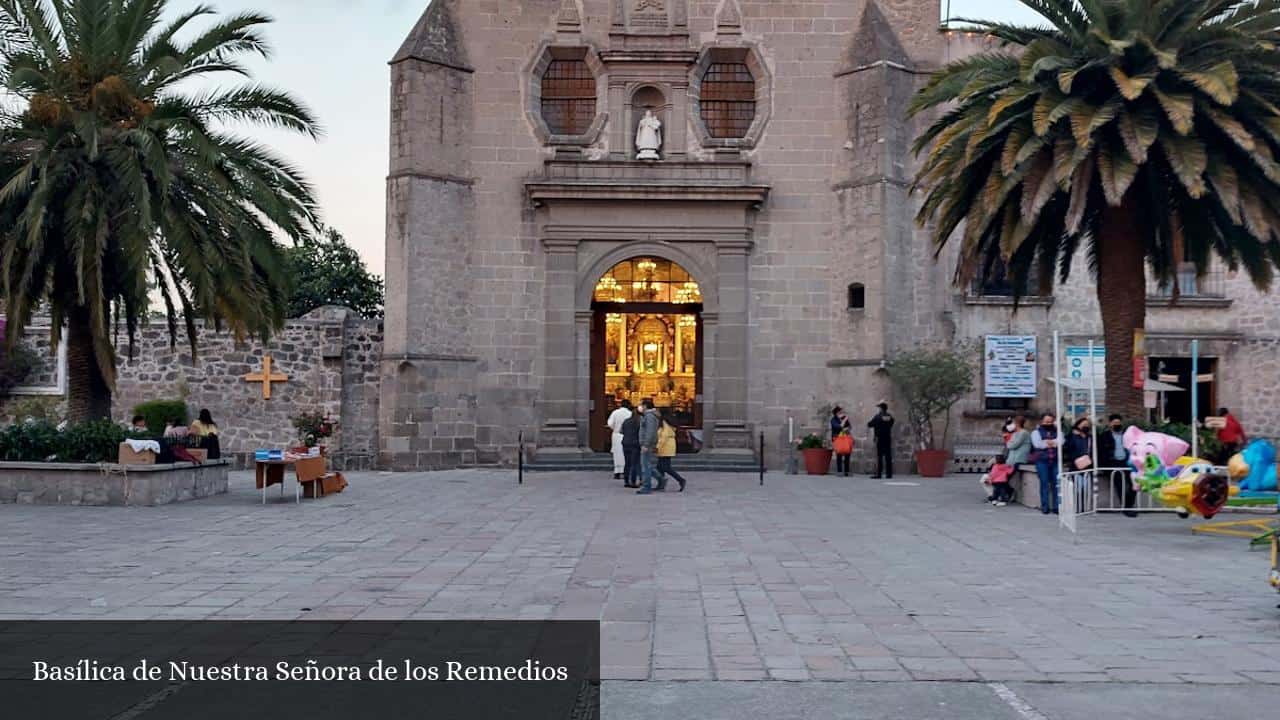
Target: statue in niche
[{"x": 649, "y": 137}]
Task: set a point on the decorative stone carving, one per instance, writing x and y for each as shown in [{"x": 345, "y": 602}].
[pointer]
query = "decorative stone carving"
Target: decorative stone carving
[
  {"x": 729, "y": 18},
  {"x": 654, "y": 5},
  {"x": 649, "y": 137},
  {"x": 569, "y": 18}
]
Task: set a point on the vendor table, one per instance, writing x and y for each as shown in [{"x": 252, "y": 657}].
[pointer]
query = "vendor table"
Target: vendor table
[{"x": 272, "y": 472}]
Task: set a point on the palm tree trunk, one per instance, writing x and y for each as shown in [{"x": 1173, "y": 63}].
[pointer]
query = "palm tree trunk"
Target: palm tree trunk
[
  {"x": 1122, "y": 299},
  {"x": 88, "y": 396}
]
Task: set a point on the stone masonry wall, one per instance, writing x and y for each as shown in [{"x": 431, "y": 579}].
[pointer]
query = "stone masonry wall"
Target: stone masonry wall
[{"x": 330, "y": 357}]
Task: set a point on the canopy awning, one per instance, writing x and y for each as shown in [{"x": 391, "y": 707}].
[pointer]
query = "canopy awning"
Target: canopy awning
[{"x": 1100, "y": 385}]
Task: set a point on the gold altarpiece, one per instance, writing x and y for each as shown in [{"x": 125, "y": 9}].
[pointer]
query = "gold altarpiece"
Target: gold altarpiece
[{"x": 648, "y": 318}]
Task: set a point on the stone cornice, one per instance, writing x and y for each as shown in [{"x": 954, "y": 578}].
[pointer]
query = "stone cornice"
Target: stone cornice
[
  {"x": 455, "y": 179},
  {"x": 428, "y": 357},
  {"x": 571, "y": 235},
  {"x": 616, "y": 180}
]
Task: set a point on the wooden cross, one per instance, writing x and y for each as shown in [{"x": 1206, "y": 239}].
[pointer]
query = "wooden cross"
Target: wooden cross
[{"x": 266, "y": 377}]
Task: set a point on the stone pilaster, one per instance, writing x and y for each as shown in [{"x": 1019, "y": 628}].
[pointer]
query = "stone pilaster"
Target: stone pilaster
[
  {"x": 730, "y": 431},
  {"x": 560, "y": 374}
]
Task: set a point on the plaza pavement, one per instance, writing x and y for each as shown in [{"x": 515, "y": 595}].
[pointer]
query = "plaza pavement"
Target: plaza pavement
[{"x": 917, "y": 591}]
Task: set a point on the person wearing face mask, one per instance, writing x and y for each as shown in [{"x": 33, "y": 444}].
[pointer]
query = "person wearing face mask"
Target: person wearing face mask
[
  {"x": 1044, "y": 453},
  {"x": 1018, "y": 445},
  {"x": 1078, "y": 448},
  {"x": 1113, "y": 454}
]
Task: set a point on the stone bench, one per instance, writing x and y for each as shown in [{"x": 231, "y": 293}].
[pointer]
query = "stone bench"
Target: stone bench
[{"x": 110, "y": 484}]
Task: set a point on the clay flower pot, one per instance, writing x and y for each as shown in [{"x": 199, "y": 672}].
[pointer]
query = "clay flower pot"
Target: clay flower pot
[
  {"x": 932, "y": 463},
  {"x": 817, "y": 461}
]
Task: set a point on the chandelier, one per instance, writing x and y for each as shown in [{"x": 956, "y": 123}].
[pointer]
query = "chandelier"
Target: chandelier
[
  {"x": 608, "y": 290},
  {"x": 688, "y": 293}
]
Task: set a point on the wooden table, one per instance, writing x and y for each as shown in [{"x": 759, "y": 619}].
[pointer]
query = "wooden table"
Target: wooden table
[{"x": 272, "y": 472}]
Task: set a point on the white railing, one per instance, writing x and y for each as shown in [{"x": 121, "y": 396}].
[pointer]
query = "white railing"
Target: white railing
[{"x": 1087, "y": 492}]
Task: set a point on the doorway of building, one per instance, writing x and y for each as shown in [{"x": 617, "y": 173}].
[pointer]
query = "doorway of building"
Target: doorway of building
[
  {"x": 647, "y": 342},
  {"x": 1176, "y": 406}
]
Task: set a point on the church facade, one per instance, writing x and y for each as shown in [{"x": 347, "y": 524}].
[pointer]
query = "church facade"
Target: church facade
[{"x": 704, "y": 202}]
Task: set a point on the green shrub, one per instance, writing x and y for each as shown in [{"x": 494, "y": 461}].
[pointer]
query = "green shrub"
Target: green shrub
[
  {"x": 29, "y": 442},
  {"x": 94, "y": 441},
  {"x": 812, "y": 441},
  {"x": 159, "y": 412}
]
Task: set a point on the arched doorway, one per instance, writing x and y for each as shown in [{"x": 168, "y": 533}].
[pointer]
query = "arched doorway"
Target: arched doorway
[{"x": 646, "y": 342}]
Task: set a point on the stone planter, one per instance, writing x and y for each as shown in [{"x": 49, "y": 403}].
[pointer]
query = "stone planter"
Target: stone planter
[
  {"x": 932, "y": 463},
  {"x": 817, "y": 461},
  {"x": 110, "y": 484}
]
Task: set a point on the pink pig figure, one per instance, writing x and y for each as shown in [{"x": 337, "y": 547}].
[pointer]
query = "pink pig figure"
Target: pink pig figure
[{"x": 1141, "y": 443}]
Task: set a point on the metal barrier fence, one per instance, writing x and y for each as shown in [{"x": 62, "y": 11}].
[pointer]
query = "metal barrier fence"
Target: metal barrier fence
[{"x": 1087, "y": 492}]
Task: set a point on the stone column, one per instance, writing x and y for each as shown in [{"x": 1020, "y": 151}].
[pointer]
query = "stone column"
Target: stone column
[
  {"x": 730, "y": 432},
  {"x": 560, "y": 379}
]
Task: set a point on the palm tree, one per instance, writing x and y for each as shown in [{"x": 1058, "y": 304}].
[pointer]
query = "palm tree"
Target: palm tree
[
  {"x": 120, "y": 181},
  {"x": 1144, "y": 131}
]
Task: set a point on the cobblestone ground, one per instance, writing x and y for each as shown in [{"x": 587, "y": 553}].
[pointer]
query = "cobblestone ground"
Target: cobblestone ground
[{"x": 804, "y": 579}]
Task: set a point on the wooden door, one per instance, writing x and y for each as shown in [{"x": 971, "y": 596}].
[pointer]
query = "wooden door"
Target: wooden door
[{"x": 599, "y": 435}]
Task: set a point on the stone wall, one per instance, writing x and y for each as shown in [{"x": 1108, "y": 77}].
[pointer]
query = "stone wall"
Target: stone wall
[{"x": 330, "y": 357}]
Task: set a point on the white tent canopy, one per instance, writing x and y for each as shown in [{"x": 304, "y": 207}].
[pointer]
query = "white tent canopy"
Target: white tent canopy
[{"x": 1100, "y": 385}]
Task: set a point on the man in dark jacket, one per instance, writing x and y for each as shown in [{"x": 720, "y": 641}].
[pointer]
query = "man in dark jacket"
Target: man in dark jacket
[
  {"x": 648, "y": 447},
  {"x": 631, "y": 451},
  {"x": 1113, "y": 454},
  {"x": 882, "y": 428}
]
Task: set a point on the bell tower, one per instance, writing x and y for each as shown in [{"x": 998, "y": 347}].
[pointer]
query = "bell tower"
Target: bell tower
[{"x": 429, "y": 367}]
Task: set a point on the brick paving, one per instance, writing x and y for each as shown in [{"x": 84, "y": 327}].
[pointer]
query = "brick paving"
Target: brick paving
[{"x": 804, "y": 579}]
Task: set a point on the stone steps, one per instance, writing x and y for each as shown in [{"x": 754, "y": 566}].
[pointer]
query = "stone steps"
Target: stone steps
[{"x": 603, "y": 463}]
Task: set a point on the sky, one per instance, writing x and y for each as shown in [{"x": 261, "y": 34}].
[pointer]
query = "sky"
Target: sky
[{"x": 332, "y": 55}]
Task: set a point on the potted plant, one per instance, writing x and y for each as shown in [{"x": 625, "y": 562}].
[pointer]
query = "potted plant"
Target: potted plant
[
  {"x": 817, "y": 456},
  {"x": 931, "y": 382},
  {"x": 314, "y": 428}
]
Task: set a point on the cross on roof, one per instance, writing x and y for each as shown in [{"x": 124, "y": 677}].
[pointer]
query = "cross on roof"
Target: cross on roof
[{"x": 266, "y": 377}]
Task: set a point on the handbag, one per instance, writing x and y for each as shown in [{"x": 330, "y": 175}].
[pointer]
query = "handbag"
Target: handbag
[{"x": 1084, "y": 462}]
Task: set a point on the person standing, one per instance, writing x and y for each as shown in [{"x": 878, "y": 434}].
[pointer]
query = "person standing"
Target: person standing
[
  {"x": 1044, "y": 453},
  {"x": 1231, "y": 435},
  {"x": 631, "y": 450},
  {"x": 1077, "y": 449},
  {"x": 843, "y": 447},
  {"x": 882, "y": 428},
  {"x": 648, "y": 446},
  {"x": 666, "y": 451},
  {"x": 1115, "y": 456},
  {"x": 616, "y": 418},
  {"x": 839, "y": 422}
]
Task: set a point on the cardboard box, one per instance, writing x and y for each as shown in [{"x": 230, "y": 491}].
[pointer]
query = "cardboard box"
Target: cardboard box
[
  {"x": 129, "y": 457},
  {"x": 327, "y": 484}
]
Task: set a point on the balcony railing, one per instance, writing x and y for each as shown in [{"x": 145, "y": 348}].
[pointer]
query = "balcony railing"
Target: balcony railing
[{"x": 1212, "y": 285}]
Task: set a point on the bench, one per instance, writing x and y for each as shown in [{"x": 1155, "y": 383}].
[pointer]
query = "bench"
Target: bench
[{"x": 315, "y": 480}]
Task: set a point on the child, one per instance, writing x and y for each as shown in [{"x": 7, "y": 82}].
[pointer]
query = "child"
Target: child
[
  {"x": 997, "y": 481},
  {"x": 843, "y": 446}
]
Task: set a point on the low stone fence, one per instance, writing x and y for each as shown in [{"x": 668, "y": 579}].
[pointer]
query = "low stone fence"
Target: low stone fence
[{"x": 107, "y": 484}]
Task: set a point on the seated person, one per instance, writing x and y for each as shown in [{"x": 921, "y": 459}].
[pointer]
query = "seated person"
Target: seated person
[
  {"x": 175, "y": 430},
  {"x": 205, "y": 430},
  {"x": 139, "y": 423},
  {"x": 996, "y": 481}
]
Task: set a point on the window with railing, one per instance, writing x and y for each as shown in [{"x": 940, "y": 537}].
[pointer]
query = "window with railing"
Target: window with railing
[
  {"x": 728, "y": 100},
  {"x": 568, "y": 97},
  {"x": 997, "y": 283},
  {"x": 1211, "y": 285}
]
